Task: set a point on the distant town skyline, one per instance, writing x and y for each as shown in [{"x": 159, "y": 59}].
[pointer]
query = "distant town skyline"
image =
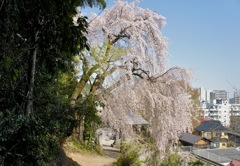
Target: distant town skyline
[{"x": 204, "y": 36}]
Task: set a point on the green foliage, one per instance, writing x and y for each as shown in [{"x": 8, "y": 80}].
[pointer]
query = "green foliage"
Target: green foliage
[
  {"x": 154, "y": 158},
  {"x": 87, "y": 108},
  {"x": 58, "y": 40},
  {"x": 35, "y": 140},
  {"x": 196, "y": 112},
  {"x": 196, "y": 163},
  {"x": 129, "y": 155},
  {"x": 172, "y": 160},
  {"x": 27, "y": 142},
  {"x": 92, "y": 147},
  {"x": 86, "y": 147},
  {"x": 52, "y": 104},
  {"x": 44, "y": 27}
]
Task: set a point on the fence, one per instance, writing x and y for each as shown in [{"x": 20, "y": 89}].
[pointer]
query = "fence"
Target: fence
[{"x": 205, "y": 154}]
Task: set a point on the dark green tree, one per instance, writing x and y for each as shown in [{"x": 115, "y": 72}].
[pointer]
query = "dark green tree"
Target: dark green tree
[{"x": 38, "y": 42}]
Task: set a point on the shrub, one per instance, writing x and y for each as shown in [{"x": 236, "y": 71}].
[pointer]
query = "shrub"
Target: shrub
[
  {"x": 129, "y": 155},
  {"x": 26, "y": 142},
  {"x": 172, "y": 160},
  {"x": 154, "y": 158},
  {"x": 196, "y": 163},
  {"x": 33, "y": 140}
]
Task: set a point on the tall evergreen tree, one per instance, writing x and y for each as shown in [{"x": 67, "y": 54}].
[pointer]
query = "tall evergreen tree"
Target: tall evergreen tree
[{"x": 38, "y": 42}]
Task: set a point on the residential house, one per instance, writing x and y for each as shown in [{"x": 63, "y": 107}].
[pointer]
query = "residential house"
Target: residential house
[
  {"x": 188, "y": 139},
  {"x": 214, "y": 131},
  {"x": 234, "y": 137}
]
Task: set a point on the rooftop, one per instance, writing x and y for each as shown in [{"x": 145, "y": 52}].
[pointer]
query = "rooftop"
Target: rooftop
[
  {"x": 189, "y": 138},
  {"x": 134, "y": 119},
  {"x": 230, "y": 153},
  {"x": 210, "y": 125}
]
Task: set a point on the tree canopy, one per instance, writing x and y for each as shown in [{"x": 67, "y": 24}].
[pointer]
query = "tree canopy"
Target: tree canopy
[
  {"x": 126, "y": 68},
  {"x": 38, "y": 43},
  {"x": 121, "y": 57}
]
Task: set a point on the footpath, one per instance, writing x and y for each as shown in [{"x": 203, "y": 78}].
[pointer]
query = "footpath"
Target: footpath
[{"x": 110, "y": 157}]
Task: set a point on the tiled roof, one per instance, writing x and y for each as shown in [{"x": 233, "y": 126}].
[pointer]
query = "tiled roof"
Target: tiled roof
[
  {"x": 134, "y": 118},
  {"x": 210, "y": 125},
  {"x": 189, "y": 138}
]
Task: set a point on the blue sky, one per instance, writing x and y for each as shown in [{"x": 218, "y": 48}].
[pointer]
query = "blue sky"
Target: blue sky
[{"x": 203, "y": 35}]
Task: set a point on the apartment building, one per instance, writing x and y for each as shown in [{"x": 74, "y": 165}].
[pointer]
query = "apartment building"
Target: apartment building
[
  {"x": 219, "y": 94},
  {"x": 218, "y": 110},
  {"x": 235, "y": 109},
  {"x": 227, "y": 114},
  {"x": 215, "y": 104}
]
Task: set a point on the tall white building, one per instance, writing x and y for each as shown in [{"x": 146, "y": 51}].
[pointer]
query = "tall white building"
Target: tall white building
[
  {"x": 208, "y": 96},
  {"x": 218, "y": 110},
  {"x": 204, "y": 97},
  {"x": 215, "y": 104},
  {"x": 202, "y": 94},
  {"x": 235, "y": 110}
]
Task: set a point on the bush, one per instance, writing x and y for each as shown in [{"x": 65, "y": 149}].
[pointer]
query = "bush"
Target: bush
[
  {"x": 173, "y": 160},
  {"x": 33, "y": 140},
  {"x": 129, "y": 155},
  {"x": 26, "y": 142},
  {"x": 196, "y": 163},
  {"x": 154, "y": 158},
  {"x": 86, "y": 147}
]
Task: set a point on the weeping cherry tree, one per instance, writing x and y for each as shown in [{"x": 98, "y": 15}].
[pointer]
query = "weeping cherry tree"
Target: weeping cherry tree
[{"x": 127, "y": 69}]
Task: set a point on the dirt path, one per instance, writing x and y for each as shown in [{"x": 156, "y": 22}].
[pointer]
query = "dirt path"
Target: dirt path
[
  {"x": 91, "y": 160},
  {"x": 95, "y": 160}
]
